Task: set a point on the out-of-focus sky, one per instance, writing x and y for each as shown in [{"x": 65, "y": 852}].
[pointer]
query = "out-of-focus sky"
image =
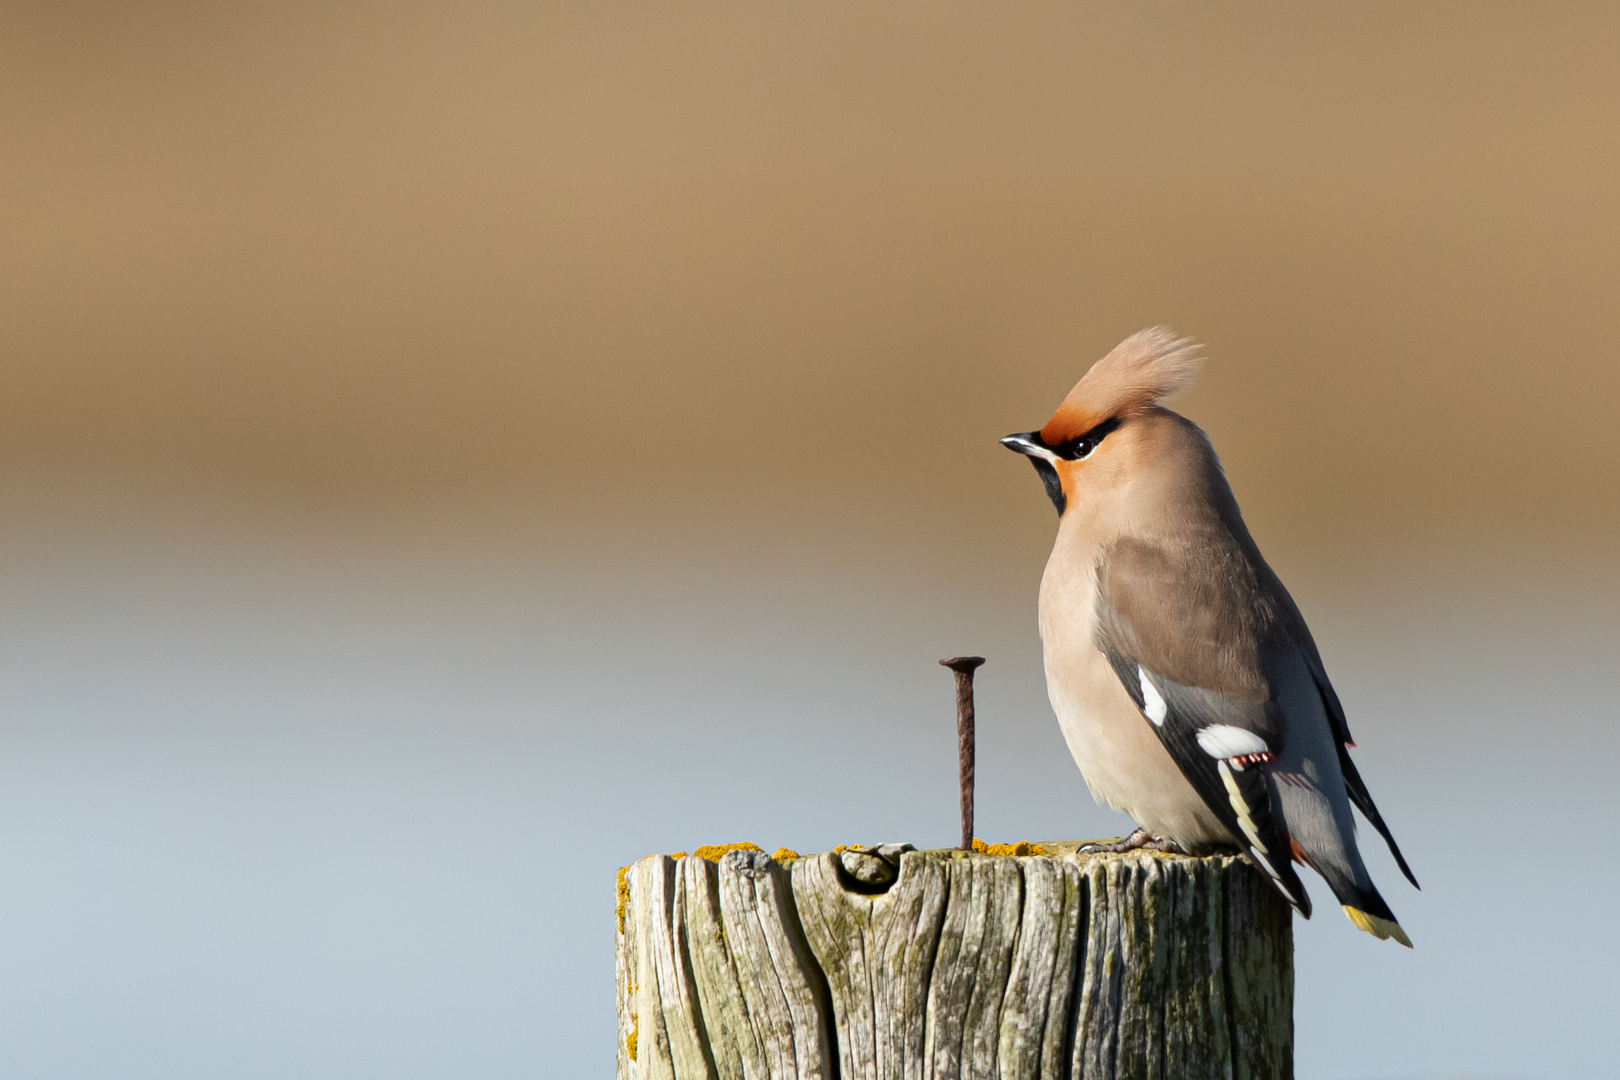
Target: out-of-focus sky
[{"x": 450, "y": 450}]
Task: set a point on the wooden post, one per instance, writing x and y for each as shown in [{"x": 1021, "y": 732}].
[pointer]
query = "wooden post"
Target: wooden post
[{"x": 892, "y": 964}]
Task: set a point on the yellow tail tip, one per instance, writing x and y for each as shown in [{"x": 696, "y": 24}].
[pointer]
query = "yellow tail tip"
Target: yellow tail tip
[{"x": 1381, "y": 929}]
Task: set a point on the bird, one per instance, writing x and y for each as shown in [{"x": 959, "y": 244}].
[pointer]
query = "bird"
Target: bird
[{"x": 1184, "y": 678}]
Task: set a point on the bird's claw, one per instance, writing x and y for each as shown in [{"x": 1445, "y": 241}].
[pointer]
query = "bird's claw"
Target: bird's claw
[{"x": 1140, "y": 840}]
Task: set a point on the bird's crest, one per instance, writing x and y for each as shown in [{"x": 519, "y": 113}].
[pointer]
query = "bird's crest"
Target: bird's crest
[{"x": 1148, "y": 365}]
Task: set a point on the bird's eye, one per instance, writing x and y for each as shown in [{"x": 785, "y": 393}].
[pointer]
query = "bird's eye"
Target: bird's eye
[{"x": 1082, "y": 447}]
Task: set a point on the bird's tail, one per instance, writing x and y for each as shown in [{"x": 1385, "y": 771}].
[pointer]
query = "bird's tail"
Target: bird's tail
[
  {"x": 1363, "y": 906},
  {"x": 1379, "y": 926},
  {"x": 1322, "y": 835}
]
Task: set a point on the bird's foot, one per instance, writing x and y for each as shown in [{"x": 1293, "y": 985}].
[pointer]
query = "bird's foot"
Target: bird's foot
[{"x": 1140, "y": 840}]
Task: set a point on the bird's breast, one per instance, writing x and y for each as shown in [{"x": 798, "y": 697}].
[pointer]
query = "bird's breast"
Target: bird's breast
[{"x": 1123, "y": 762}]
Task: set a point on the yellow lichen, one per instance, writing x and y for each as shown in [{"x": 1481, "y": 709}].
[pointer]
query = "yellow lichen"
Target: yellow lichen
[
  {"x": 712, "y": 852},
  {"x": 840, "y": 847},
  {"x": 624, "y": 896},
  {"x": 1023, "y": 847},
  {"x": 630, "y": 1039},
  {"x": 677, "y": 855},
  {"x": 783, "y": 854}
]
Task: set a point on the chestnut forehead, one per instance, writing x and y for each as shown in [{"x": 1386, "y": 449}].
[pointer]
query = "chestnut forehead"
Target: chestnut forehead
[{"x": 1069, "y": 422}]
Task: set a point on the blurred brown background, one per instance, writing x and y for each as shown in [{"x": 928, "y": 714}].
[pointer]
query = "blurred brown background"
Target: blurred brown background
[
  {"x": 630, "y": 355},
  {"x": 553, "y": 252}
]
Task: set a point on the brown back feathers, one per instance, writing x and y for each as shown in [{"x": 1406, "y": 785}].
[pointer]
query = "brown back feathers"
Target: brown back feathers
[{"x": 1148, "y": 365}]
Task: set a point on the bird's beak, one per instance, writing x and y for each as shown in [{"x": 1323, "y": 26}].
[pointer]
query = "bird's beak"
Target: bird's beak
[{"x": 1029, "y": 444}]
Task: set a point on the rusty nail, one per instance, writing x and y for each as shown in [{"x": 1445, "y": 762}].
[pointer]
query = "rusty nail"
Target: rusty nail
[{"x": 964, "y": 667}]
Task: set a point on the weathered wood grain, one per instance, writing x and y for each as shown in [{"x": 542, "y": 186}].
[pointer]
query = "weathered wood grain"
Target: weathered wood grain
[
  {"x": 735, "y": 1047},
  {"x": 783, "y": 992},
  {"x": 953, "y": 965},
  {"x": 1041, "y": 985},
  {"x": 877, "y": 953},
  {"x": 672, "y": 1042},
  {"x": 982, "y": 913},
  {"x": 1258, "y": 943}
]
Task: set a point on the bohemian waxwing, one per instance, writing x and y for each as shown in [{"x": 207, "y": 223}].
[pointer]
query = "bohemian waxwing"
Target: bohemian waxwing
[{"x": 1184, "y": 678}]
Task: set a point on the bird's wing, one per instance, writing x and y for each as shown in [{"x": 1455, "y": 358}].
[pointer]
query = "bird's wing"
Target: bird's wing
[
  {"x": 1354, "y": 786},
  {"x": 1187, "y": 629}
]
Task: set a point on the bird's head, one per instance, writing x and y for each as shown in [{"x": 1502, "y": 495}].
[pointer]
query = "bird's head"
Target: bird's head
[{"x": 1085, "y": 442}]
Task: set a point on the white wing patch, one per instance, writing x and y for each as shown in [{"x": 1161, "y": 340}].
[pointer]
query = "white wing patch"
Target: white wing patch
[
  {"x": 1153, "y": 702},
  {"x": 1226, "y": 741}
]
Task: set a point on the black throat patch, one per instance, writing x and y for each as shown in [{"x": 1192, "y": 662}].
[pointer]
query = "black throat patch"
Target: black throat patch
[{"x": 1054, "y": 486}]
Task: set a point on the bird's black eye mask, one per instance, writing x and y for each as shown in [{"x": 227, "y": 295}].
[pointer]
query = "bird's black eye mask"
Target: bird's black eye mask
[
  {"x": 1081, "y": 448},
  {"x": 1076, "y": 449}
]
